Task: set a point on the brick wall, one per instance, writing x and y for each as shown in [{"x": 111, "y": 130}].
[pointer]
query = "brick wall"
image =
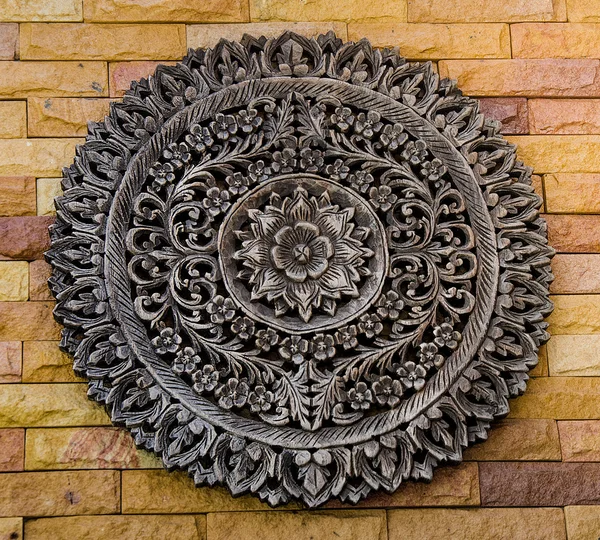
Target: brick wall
[{"x": 65, "y": 473}]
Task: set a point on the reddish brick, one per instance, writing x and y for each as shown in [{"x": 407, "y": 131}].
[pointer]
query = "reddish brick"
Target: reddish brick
[
  {"x": 24, "y": 238},
  {"x": 574, "y": 234},
  {"x": 12, "y": 449},
  {"x": 121, "y": 74},
  {"x": 576, "y": 274},
  {"x": 580, "y": 440},
  {"x": 10, "y": 361},
  {"x": 511, "y": 112},
  {"x": 9, "y": 34},
  {"x": 39, "y": 272}
]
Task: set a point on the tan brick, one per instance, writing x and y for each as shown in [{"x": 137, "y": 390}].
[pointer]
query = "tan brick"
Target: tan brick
[
  {"x": 521, "y": 77},
  {"x": 208, "y": 35},
  {"x": 583, "y": 522},
  {"x": 11, "y": 528},
  {"x": 40, "y": 10},
  {"x": 433, "y": 41},
  {"x": 10, "y": 361},
  {"x": 49, "y": 405},
  {"x": 574, "y": 233},
  {"x": 580, "y": 440},
  {"x": 479, "y": 524},
  {"x": 111, "y": 527},
  {"x": 43, "y": 361},
  {"x": 27, "y": 321},
  {"x": 39, "y": 272},
  {"x": 572, "y": 193},
  {"x": 564, "y": 116},
  {"x": 448, "y": 11},
  {"x": 584, "y": 10},
  {"x": 511, "y": 112},
  {"x": 85, "y": 448},
  {"x": 9, "y": 36},
  {"x": 324, "y": 10},
  {"x": 13, "y": 119},
  {"x": 64, "y": 117},
  {"x": 17, "y": 196},
  {"x": 576, "y": 274},
  {"x": 38, "y": 157},
  {"x": 47, "y": 190},
  {"x": 518, "y": 440},
  {"x": 12, "y": 450},
  {"x": 349, "y": 525},
  {"x": 24, "y": 237},
  {"x": 65, "y": 41},
  {"x": 560, "y": 398},
  {"x": 558, "y": 40},
  {"x": 121, "y": 74},
  {"x": 60, "y": 493},
  {"x": 541, "y": 370},
  {"x": 14, "y": 281},
  {"x": 577, "y": 356},
  {"x": 575, "y": 314}
]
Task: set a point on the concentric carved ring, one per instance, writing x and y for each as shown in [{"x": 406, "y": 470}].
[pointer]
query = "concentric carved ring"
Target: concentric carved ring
[{"x": 300, "y": 268}]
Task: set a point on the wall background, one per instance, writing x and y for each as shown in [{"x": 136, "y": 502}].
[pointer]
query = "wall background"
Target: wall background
[{"x": 64, "y": 473}]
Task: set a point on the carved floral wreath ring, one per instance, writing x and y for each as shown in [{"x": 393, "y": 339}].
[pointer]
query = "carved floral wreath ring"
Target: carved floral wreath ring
[{"x": 300, "y": 268}]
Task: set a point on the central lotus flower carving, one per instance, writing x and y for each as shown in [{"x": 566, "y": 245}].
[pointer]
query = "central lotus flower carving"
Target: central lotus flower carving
[{"x": 303, "y": 253}]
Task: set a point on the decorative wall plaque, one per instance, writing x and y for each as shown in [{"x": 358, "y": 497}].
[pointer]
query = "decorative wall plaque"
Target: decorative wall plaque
[{"x": 300, "y": 268}]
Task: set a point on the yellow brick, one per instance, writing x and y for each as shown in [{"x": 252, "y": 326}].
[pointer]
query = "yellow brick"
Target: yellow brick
[
  {"x": 574, "y": 355},
  {"x": 583, "y": 522},
  {"x": 17, "y": 196},
  {"x": 13, "y": 119},
  {"x": 208, "y": 35},
  {"x": 584, "y": 10},
  {"x": 64, "y": 41},
  {"x": 572, "y": 193},
  {"x": 49, "y": 405},
  {"x": 37, "y": 157},
  {"x": 547, "y": 40},
  {"x": 11, "y": 528},
  {"x": 325, "y": 10},
  {"x": 43, "y": 361},
  {"x": 47, "y": 190},
  {"x": 434, "y": 41},
  {"x": 40, "y": 10},
  {"x": 575, "y": 314},
  {"x": 14, "y": 281},
  {"x": 166, "y": 11},
  {"x": 64, "y": 117}
]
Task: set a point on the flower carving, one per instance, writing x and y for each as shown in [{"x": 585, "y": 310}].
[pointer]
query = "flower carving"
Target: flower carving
[{"x": 304, "y": 254}]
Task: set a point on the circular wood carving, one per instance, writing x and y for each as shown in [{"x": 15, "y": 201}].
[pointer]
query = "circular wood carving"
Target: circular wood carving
[{"x": 300, "y": 268}]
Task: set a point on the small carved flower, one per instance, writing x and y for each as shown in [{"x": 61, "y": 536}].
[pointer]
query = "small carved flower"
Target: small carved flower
[
  {"x": 412, "y": 375},
  {"x": 284, "y": 161},
  {"x": 389, "y": 306},
  {"x": 224, "y": 126},
  {"x": 238, "y": 183},
  {"x": 415, "y": 152},
  {"x": 243, "y": 327},
  {"x": 265, "y": 339},
  {"x": 249, "y": 120},
  {"x": 166, "y": 341},
  {"x": 360, "y": 181},
  {"x": 294, "y": 348},
  {"x": 186, "y": 361},
  {"x": 393, "y": 136},
  {"x": 445, "y": 335},
  {"x": 258, "y": 172},
  {"x": 206, "y": 380},
  {"x": 387, "y": 391},
  {"x": 233, "y": 393},
  {"x": 260, "y": 399},
  {"x": 370, "y": 325},
  {"x": 382, "y": 197},
  {"x": 433, "y": 170},
  {"x": 368, "y": 124},
  {"x": 323, "y": 347},
  {"x": 177, "y": 154},
  {"x": 199, "y": 138},
  {"x": 346, "y": 337},
  {"x": 216, "y": 201},
  {"x": 311, "y": 160},
  {"x": 342, "y": 118},
  {"x": 360, "y": 397},
  {"x": 337, "y": 170},
  {"x": 221, "y": 309},
  {"x": 429, "y": 355},
  {"x": 162, "y": 174}
]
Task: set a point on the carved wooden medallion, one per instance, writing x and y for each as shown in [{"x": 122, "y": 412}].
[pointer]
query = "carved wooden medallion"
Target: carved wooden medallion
[{"x": 300, "y": 268}]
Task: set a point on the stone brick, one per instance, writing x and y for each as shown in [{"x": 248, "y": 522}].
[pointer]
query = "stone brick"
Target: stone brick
[
  {"x": 521, "y": 77},
  {"x": 39, "y": 272},
  {"x": 518, "y": 440},
  {"x": 576, "y": 274},
  {"x": 85, "y": 448},
  {"x": 583, "y": 522},
  {"x": 574, "y": 234},
  {"x": 433, "y": 41},
  {"x": 43, "y": 361},
  {"x": 580, "y": 440},
  {"x": 448, "y": 11},
  {"x": 539, "y": 484},
  {"x": 39, "y": 41},
  {"x": 584, "y": 10},
  {"x": 121, "y": 74},
  {"x": 349, "y": 525},
  {"x": 572, "y": 193},
  {"x": 13, "y": 119},
  {"x": 53, "y": 79},
  {"x": 17, "y": 196},
  {"x": 49, "y": 405},
  {"x": 166, "y": 11},
  {"x": 324, "y": 10},
  {"x": 10, "y": 361},
  {"x": 47, "y": 190},
  {"x": 111, "y": 527},
  {"x": 575, "y": 314},
  {"x": 511, "y": 112},
  {"x": 12, "y": 450},
  {"x": 62, "y": 493},
  {"x": 541, "y": 370},
  {"x": 14, "y": 281},
  {"x": 36, "y": 157},
  {"x": 560, "y": 398},
  {"x": 576, "y": 356},
  {"x": 561, "y": 40},
  {"x": 64, "y": 117},
  {"x": 11, "y": 528},
  {"x": 24, "y": 237},
  {"x": 477, "y": 524},
  {"x": 27, "y": 321},
  {"x": 564, "y": 116},
  {"x": 41, "y": 10},
  {"x": 9, "y": 35},
  {"x": 208, "y": 35}
]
